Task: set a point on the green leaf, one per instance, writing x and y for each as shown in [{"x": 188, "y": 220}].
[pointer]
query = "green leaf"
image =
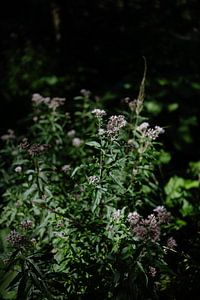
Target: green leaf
[
  {"x": 190, "y": 184},
  {"x": 187, "y": 208},
  {"x": 76, "y": 170},
  {"x": 22, "y": 291},
  {"x": 34, "y": 268},
  {"x": 97, "y": 200},
  {"x": 173, "y": 107},
  {"x": 3, "y": 234},
  {"x": 93, "y": 144},
  {"x": 153, "y": 107},
  {"x": 30, "y": 191},
  {"x": 116, "y": 277},
  {"x": 143, "y": 272},
  {"x": 51, "y": 80},
  {"x": 196, "y": 85},
  {"x": 164, "y": 157},
  {"x": 173, "y": 186},
  {"x": 7, "y": 279},
  {"x": 117, "y": 179},
  {"x": 41, "y": 286}
]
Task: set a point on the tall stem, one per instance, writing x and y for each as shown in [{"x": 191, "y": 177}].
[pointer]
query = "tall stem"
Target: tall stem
[{"x": 37, "y": 171}]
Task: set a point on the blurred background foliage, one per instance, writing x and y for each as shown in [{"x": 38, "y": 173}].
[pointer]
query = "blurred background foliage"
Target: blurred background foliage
[{"x": 58, "y": 47}]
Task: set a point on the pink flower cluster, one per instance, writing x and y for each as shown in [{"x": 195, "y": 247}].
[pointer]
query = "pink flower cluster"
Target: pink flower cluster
[
  {"x": 151, "y": 133},
  {"x": 27, "y": 224},
  {"x": 10, "y": 135},
  {"x": 171, "y": 243},
  {"x": 163, "y": 215},
  {"x": 53, "y": 103},
  {"x": 16, "y": 239},
  {"x": 150, "y": 227},
  {"x": 115, "y": 123},
  {"x": 99, "y": 113}
]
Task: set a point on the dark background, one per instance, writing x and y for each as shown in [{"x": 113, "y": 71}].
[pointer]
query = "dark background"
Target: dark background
[{"x": 57, "y": 48}]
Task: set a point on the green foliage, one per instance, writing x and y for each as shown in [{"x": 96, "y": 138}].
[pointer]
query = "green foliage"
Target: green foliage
[
  {"x": 82, "y": 207},
  {"x": 178, "y": 191}
]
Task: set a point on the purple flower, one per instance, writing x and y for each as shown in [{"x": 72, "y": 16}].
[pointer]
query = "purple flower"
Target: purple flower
[
  {"x": 16, "y": 239},
  {"x": 171, "y": 243},
  {"x": 71, "y": 133},
  {"x": 76, "y": 142},
  {"x": 27, "y": 224},
  {"x": 162, "y": 214},
  {"x": 115, "y": 123},
  {"x": 152, "y": 271},
  {"x": 140, "y": 231},
  {"x": 116, "y": 214},
  {"x": 99, "y": 113},
  {"x": 152, "y": 134},
  {"x": 153, "y": 227},
  {"x": 144, "y": 229},
  {"x": 142, "y": 127},
  {"x": 133, "y": 218},
  {"x": 18, "y": 169}
]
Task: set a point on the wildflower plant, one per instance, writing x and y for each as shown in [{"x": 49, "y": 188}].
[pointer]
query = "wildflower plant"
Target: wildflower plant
[{"x": 81, "y": 205}]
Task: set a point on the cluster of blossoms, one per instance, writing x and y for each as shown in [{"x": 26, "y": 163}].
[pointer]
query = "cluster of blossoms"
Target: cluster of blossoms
[
  {"x": 171, "y": 243},
  {"x": 133, "y": 218},
  {"x": 53, "y": 103},
  {"x": 77, "y": 142},
  {"x": 34, "y": 149},
  {"x": 151, "y": 133},
  {"x": 134, "y": 105},
  {"x": 85, "y": 93},
  {"x": 101, "y": 131},
  {"x": 116, "y": 214},
  {"x": 115, "y": 123},
  {"x": 66, "y": 168},
  {"x": 16, "y": 239},
  {"x": 163, "y": 215},
  {"x": 93, "y": 180},
  {"x": 27, "y": 224},
  {"x": 56, "y": 102},
  {"x": 149, "y": 228},
  {"x": 99, "y": 113},
  {"x": 37, "y": 149},
  {"x": 37, "y": 99},
  {"x": 18, "y": 169},
  {"x": 71, "y": 133},
  {"x": 10, "y": 135},
  {"x": 152, "y": 271},
  {"x": 143, "y": 127}
]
